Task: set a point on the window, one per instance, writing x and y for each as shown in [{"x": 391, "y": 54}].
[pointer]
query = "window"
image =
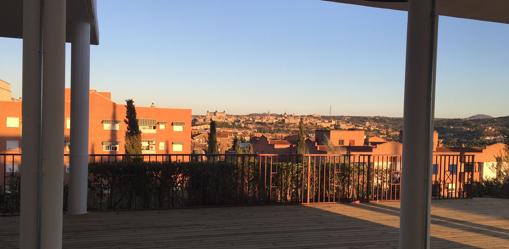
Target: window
[
  {"x": 12, "y": 122},
  {"x": 11, "y": 145},
  {"x": 148, "y": 129},
  {"x": 162, "y": 125},
  {"x": 68, "y": 123},
  {"x": 162, "y": 145},
  {"x": 111, "y": 125},
  {"x": 178, "y": 126},
  {"x": 177, "y": 147},
  {"x": 341, "y": 142},
  {"x": 435, "y": 169},
  {"x": 148, "y": 146},
  {"x": 147, "y": 125},
  {"x": 453, "y": 168},
  {"x": 110, "y": 146}
]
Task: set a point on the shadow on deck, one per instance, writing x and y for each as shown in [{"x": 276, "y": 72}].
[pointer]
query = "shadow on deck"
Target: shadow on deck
[{"x": 476, "y": 223}]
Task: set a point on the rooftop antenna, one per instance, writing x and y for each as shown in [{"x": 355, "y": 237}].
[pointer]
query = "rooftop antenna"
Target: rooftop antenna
[{"x": 330, "y": 110}]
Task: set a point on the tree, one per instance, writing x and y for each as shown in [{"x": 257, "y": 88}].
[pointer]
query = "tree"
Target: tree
[
  {"x": 236, "y": 146},
  {"x": 301, "y": 144},
  {"x": 133, "y": 133},
  {"x": 502, "y": 167},
  {"x": 241, "y": 146},
  {"x": 248, "y": 147},
  {"x": 330, "y": 147},
  {"x": 212, "y": 141}
]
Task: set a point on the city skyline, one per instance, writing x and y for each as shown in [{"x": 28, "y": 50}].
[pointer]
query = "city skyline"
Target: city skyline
[
  {"x": 284, "y": 56},
  {"x": 330, "y": 114}
]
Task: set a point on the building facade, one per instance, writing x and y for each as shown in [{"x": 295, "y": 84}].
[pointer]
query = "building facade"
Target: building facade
[
  {"x": 487, "y": 162},
  {"x": 164, "y": 130},
  {"x": 5, "y": 91},
  {"x": 340, "y": 137}
]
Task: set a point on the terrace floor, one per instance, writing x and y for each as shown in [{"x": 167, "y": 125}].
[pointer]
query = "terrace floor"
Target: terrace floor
[{"x": 475, "y": 223}]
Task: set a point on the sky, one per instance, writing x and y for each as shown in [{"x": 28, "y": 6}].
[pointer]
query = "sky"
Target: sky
[{"x": 293, "y": 56}]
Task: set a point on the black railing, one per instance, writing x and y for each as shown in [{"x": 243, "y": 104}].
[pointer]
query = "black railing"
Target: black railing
[
  {"x": 175, "y": 181},
  {"x": 9, "y": 183}
]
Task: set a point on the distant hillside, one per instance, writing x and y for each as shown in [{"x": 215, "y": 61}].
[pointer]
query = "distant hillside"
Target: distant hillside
[
  {"x": 476, "y": 131},
  {"x": 479, "y": 116},
  {"x": 473, "y": 132}
]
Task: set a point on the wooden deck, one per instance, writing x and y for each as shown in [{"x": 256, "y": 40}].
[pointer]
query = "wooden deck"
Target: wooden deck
[{"x": 476, "y": 223}]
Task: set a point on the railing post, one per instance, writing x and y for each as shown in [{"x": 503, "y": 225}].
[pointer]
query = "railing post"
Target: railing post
[
  {"x": 369, "y": 180},
  {"x": 309, "y": 179},
  {"x": 270, "y": 179},
  {"x": 472, "y": 176},
  {"x": 259, "y": 176},
  {"x": 4, "y": 172}
]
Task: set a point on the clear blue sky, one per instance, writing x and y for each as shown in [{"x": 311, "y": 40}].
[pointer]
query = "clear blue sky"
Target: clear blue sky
[{"x": 298, "y": 56}]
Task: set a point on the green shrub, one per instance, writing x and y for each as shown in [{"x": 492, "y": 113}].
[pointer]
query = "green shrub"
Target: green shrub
[
  {"x": 492, "y": 188},
  {"x": 136, "y": 184},
  {"x": 9, "y": 197}
]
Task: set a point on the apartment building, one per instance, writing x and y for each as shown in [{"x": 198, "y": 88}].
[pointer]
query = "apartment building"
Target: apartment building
[
  {"x": 340, "y": 137},
  {"x": 486, "y": 160},
  {"x": 265, "y": 145},
  {"x": 5, "y": 91},
  {"x": 164, "y": 130}
]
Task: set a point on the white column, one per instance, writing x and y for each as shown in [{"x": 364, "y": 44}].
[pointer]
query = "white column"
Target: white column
[
  {"x": 52, "y": 118},
  {"x": 418, "y": 124},
  {"x": 31, "y": 106},
  {"x": 43, "y": 124},
  {"x": 80, "y": 85}
]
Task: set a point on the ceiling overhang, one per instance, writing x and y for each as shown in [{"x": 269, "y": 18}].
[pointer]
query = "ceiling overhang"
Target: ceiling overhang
[
  {"x": 482, "y": 10},
  {"x": 11, "y": 18}
]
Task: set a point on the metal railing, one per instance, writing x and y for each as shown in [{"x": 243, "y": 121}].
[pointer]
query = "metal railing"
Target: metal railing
[
  {"x": 183, "y": 180},
  {"x": 452, "y": 176},
  {"x": 9, "y": 183}
]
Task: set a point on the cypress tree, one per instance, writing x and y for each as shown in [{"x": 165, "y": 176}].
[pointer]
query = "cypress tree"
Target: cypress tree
[
  {"x": 133, "y": 133},
  {"x": 301, "y": 145},
  {"x": 249, "y": 149},
  {"x": 236, "y": 145},
  {"x": 330, "y": 146},
  {"x": 238, "y": 148},
  {"x": 212, "y": 143}
]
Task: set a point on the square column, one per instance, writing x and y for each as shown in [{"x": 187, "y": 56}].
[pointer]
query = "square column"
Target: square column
[{"x": 418, "y": 124}]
